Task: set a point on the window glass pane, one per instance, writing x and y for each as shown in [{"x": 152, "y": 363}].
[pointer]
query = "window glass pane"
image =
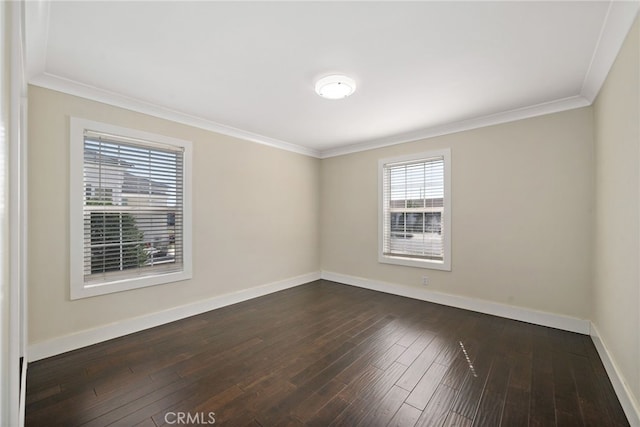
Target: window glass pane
[
  {"x": 133, "y": 198},
  {"x": 414, "y": 204}
]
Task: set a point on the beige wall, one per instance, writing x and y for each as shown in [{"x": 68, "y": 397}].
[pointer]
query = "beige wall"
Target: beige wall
[
  {"x": 255, "y": 218},
  {"x": 616, "y": 291},
  {"x": 522, "y": 197}
]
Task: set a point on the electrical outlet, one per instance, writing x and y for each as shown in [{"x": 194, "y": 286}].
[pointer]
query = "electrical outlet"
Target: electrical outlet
[{"x": 425, "y": 281}]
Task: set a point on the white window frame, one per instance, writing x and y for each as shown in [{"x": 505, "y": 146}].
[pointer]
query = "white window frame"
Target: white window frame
[
  {"x": 78, "y": 287},
  {"x": 445, "y": 264}
]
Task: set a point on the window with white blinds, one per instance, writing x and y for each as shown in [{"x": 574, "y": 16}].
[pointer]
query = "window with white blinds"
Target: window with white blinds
[
  {"x": 134, "y": 228},
  {"x": 415, "y": 224}
]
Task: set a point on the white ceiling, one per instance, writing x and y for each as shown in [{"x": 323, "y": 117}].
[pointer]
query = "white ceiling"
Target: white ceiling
[{"x": 248, "y": 69}]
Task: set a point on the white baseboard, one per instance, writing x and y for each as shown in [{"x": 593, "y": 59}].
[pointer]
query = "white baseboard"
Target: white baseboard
[
  {"x": 557, "y": 321},
  {"x": 88, "y": 337},
  {"x": 630, "y": 406}
]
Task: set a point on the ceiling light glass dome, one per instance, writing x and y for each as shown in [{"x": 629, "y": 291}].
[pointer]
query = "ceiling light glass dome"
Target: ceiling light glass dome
[{"x": 335, "y": 87}]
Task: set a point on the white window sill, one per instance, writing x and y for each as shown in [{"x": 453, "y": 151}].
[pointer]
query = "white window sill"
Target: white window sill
[{"x": 412, "y": 262}]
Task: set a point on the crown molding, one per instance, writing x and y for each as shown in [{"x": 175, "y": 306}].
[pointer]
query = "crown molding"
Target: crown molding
[
  {"x": 616, "y": 26},
  {"x": 60, "y": 84},
  {"x": 556, "y": 106},
  {"x": 36, "y": 16},
  {"x": 50, "y": 81}
]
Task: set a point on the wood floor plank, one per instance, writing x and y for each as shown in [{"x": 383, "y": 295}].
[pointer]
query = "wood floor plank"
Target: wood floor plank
[
  {"x": 490, "y": 409},
  {"x": 387, "y": 358},
  {"x": 491, "y": 406},
  {"x": 456, "y": 420},
  {"x": 174, "y": 391},
  {"x": 370, "y": 398},
  {"x": 367, "y": 378},
  {"x": 422, "y": 363},
  {"x": 321, "y": 364},
  {"x": 147, "y": 422},
  {"x": 386, "y": 408},
  {"x": 194, "y": 404},
  {"x": 317, "y": 400},
  {"x": 542, "y": 402},
  {"x": 411, "y": 335},
  {"x": 327, "y": 414},
  {"x": 422, "y": 392},
  {"x": 565, "y": 394},
  {"x": 325, "y": 354},
  {"x": 71, "y": 411},
  {"x": 471, "y": 391},
  {"x": 416, "y": 348},
  {"x": 518, "y": 398},
  {"x": 438, "y": 408},
  {"x": 457, "y": 373},
  {"x": 407, "y": 416},
  {"x": 270, "y": 395},
  {"x": 516, "y": 408},
  {"x": 592, "y": 406}
]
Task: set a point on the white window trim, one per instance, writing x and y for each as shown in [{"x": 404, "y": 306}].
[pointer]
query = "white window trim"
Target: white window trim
[
  {"x": 78, "y": 289},
  {"x": 445, "y": 264}
]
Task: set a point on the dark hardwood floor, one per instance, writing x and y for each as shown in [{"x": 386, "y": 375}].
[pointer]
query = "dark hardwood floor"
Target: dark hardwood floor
[{"x": 327, "y": 354}]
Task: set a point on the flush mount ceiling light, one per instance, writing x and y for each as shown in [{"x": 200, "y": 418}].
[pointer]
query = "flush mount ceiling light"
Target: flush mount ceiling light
[{"x": 335, "y": 87}]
